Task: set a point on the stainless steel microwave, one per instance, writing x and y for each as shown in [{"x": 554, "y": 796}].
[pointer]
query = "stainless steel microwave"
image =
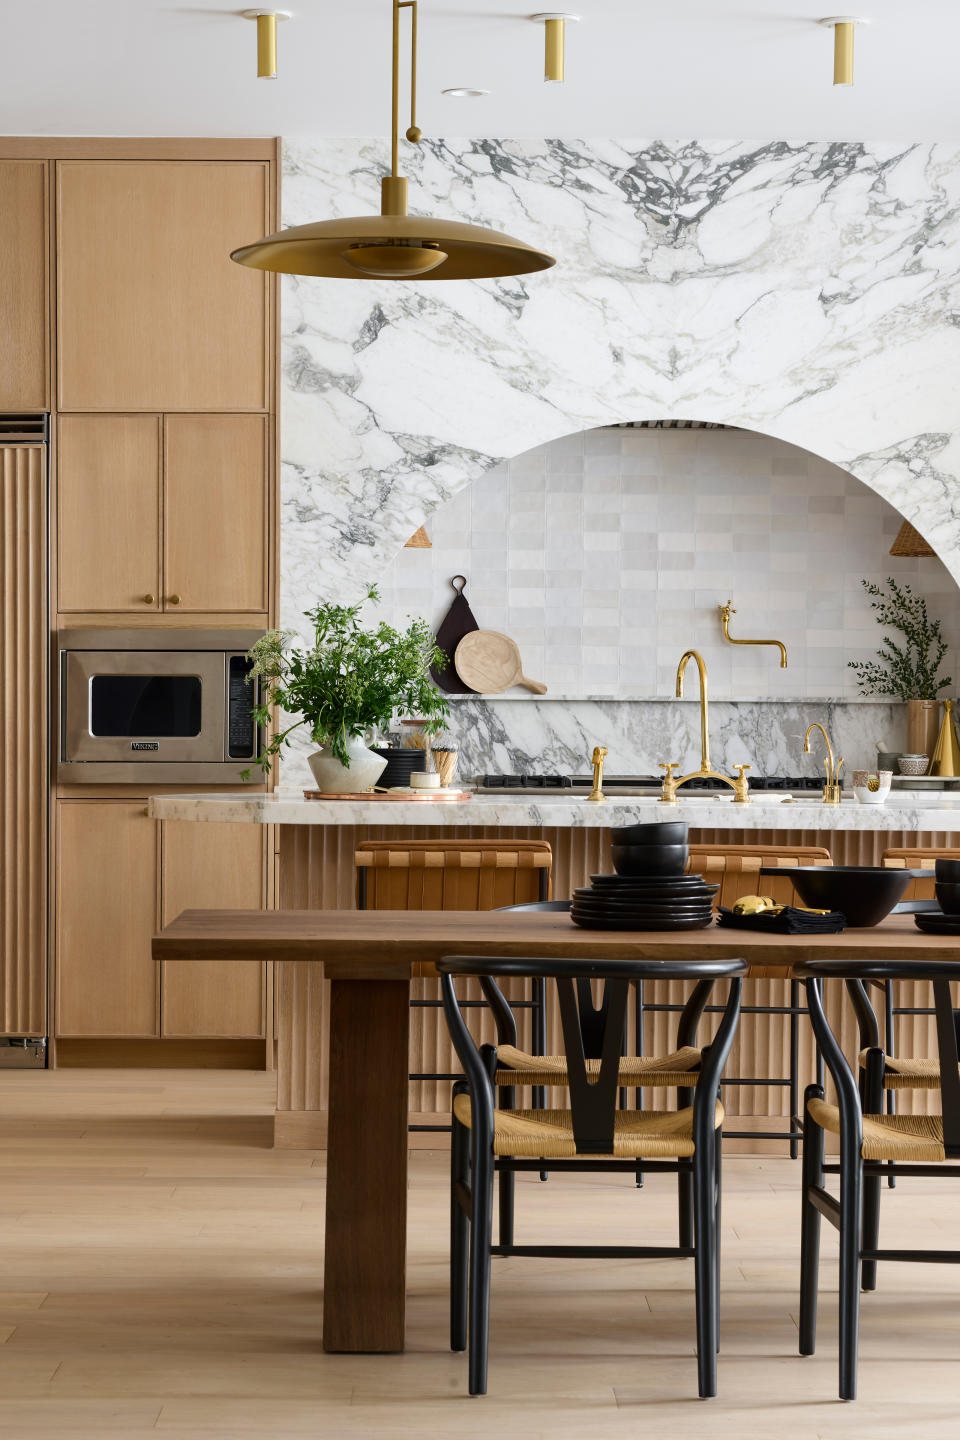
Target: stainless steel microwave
[{"x": 155, "y": 706}]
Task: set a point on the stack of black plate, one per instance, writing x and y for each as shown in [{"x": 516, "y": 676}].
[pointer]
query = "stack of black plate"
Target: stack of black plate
[{"x": 654, "y": 902}]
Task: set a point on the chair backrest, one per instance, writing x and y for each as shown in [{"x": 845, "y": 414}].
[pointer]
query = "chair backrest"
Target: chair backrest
[
  {"x": 917, "y": 857},
  {"x": 736, "y": 869},
  {"x": 938, "y": 974},
  {"x": 593, "y": 1100},
  {"x": 451, "y": 874}
]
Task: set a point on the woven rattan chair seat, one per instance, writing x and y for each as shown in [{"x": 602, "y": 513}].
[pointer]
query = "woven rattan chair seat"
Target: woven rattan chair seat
[
  {"x": 916, "y": 1138},
  {"x": 519, "y": 1067},
  {"x": 907, "y": 1074},
  {"x": 548, "y": 1134}
]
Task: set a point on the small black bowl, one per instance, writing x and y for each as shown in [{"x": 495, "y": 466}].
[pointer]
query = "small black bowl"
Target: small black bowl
[
  {"x": 948, "y": 870},
  {"x": 649, "y": 859},
  {"x": 948, "y": 896},
  {"x": 865, "y": 893},
  {"x": 661, "y": 832}
]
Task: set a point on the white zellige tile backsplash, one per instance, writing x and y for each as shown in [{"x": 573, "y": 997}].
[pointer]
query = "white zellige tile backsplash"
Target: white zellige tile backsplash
[{"x": 606, "y": 554}]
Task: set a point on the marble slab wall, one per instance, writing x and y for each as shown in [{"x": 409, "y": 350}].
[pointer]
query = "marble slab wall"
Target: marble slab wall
[
  {"x": 537, "y": 737},
  {"x": 806, "y": 290}
]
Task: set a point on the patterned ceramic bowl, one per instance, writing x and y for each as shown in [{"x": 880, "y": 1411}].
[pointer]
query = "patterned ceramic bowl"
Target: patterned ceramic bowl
[{"x": 914, "y": 764}]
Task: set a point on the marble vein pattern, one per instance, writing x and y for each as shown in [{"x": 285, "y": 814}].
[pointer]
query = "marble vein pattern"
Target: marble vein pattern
[
  {"x": 910, "y": 812},
  {"x": 808, "y": 290}
]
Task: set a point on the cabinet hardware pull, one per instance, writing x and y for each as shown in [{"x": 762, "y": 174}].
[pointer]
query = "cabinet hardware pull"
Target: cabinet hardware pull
[
  {"x": 174, "y": 599},
  {"x": 146, "y": 811},
  {"x": 148, "y": 599}
]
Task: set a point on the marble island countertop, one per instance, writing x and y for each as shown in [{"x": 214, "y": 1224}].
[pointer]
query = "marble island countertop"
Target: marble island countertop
[{"x": 904, "y": 810}]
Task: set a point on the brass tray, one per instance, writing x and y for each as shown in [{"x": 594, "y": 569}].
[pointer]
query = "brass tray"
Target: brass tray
[{"x": 432, "y": 795}]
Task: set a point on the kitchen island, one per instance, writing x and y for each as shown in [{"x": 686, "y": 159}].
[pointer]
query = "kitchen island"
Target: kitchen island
[{"x": 315, "y": 841}]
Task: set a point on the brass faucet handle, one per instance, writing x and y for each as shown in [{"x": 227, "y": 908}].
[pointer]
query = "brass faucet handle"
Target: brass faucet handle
[
  {"x": 743, "y": 769},
  {"x": 741, "y": 786},
  {"x": 668, "y": 794}
]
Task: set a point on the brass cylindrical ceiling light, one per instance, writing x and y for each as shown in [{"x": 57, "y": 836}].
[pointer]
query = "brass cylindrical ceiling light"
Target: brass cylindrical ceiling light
[
  {"x": 394, "y": 245},
  {"x": 554, "y": 27},
  {"x": 843, "y": 28},
  {"x": 266, "y": 39}
]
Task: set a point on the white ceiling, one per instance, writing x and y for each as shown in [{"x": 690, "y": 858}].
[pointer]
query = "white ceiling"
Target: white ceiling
[{"x": 740, "y": 69}]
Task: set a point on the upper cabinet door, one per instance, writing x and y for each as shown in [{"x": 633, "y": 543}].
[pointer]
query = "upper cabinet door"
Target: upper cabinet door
[
  {"x": 108, "y": 512},
  {"x": 215, "y": 513},
  {"x": 152, "y": 312},
  {"x": 23, "y": 285}
]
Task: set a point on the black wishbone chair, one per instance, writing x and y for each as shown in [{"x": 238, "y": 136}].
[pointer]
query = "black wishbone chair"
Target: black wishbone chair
[
  {"x": 592, "y": 1135},
  {"x": 872, "y": 1143}
]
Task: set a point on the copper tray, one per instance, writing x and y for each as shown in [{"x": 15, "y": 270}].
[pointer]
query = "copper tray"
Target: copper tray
[{"x": 432, "y": 795}]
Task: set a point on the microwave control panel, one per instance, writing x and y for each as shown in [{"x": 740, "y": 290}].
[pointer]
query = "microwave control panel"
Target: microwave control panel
[{"x": 241, "y": 698}]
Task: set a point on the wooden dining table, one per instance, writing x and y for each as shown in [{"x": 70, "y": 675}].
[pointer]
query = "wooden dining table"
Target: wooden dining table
[{"x": 370, "y": 958}]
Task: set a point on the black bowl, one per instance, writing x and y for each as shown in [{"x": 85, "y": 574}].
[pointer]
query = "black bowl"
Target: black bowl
[
  {"x": 948, "y": 870},
  {"x": 665, "y": 832},
  {"x": 948, "y": 896},
  {"x": 865, "y": 893},
  {"x": 649, "y": 859}
]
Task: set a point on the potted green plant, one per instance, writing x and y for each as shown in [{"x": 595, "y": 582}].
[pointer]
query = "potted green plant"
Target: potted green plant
[
  {"x": 346, "y": 684},
  {"x": 908, "y": 669}
]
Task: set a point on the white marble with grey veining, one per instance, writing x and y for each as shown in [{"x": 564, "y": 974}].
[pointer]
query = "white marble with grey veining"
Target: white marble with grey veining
[
  {"x": 908, "y": 811},
  {"x": 809, "y": 290}
]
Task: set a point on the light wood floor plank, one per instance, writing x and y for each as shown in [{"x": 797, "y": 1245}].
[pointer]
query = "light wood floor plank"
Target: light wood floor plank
[{"x": 162, "y": 1275}]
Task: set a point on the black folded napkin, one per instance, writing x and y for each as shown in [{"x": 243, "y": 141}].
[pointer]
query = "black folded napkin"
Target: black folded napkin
[{"x": 790, "y": 921}]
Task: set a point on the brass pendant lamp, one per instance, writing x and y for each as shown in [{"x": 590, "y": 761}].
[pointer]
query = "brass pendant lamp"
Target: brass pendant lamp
[{"x": 394, "y": 245}]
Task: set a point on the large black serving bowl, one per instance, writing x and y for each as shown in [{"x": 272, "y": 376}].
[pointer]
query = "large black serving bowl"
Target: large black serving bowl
[
  {"x": 865, "y": 893},
  {"x": 660, "y": 832},
  {"x": 649, "y": 859}
]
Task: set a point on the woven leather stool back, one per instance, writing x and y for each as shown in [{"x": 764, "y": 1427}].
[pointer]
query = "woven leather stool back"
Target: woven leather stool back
[
  {"x": 453, "y": 874},
  {"x": 736, "y": 869},
  {"x": 918, "y": 857}
]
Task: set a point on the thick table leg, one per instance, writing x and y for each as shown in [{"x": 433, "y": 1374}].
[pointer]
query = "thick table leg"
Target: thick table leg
[{"x": 366, "y": 1233}]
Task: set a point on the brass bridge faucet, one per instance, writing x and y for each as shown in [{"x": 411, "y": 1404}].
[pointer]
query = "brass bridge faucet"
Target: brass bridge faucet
[
  {"x": 833, "y": 790},
  {"x": 671, "y": 784}
]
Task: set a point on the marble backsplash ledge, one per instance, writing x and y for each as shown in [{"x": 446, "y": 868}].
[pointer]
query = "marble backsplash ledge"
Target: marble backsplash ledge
[{"x": 536, "y": 737}]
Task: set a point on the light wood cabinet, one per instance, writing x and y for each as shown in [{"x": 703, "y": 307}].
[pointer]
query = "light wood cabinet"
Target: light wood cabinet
[
  {"x": 120, "y": 875},
  {"x": 23, "y": 285},
  {"x": 215, "y": 512},
  {"x": 109, "y": 512},
  {"x": 152, "y": 312},
  {"x": 107, "y": 911},
  {"x": 212, "y": 867},
  {"x": 163, "y": 513}
]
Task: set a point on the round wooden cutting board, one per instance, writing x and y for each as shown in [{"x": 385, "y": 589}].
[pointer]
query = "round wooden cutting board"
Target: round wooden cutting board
[{"x": 490, "y": 662}]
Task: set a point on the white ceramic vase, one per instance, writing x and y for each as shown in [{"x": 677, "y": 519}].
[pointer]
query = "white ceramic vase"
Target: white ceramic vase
[{"x": 363, "y": 772}]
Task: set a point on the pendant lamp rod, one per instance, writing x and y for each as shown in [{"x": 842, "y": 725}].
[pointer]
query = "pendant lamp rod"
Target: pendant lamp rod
[{"x": 393, "y": 188}]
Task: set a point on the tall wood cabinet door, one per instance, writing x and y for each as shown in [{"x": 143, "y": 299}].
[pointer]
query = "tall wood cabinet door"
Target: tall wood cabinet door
[
  {"x": 24, "y": 647},
  {"x": 107, "y": 887},
  {"x": 216, "y": 512},
  {"x": 23, "y": 285},
  {"x": 152, "y": 312},
  {"x": 212, "y": 867},
  {"x": 108, "y": 512}
]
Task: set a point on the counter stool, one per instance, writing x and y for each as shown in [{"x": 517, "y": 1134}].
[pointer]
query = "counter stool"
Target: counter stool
[
  {"x": 457, "y": 875},
  {"x": 736, "y": 870}
]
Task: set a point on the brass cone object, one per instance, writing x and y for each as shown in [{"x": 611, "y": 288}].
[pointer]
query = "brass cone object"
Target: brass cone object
[
  {"x": 394, "y": 245},
  {"x": 946, "y": 754}
]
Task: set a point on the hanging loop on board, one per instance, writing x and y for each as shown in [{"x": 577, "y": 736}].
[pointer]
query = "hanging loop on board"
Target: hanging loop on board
[{"x": 463, "y": 581}]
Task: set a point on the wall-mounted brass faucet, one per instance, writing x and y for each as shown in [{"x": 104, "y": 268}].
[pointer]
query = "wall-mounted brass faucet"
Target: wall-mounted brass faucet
[
  {"x": 725, "y": 612},
  {"x": 740, "y": 785},
  {"x": 833, "y": 790}
]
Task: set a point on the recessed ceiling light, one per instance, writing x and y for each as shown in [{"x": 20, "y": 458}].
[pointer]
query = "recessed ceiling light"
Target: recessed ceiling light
[{"x": 464, "y": 90}]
